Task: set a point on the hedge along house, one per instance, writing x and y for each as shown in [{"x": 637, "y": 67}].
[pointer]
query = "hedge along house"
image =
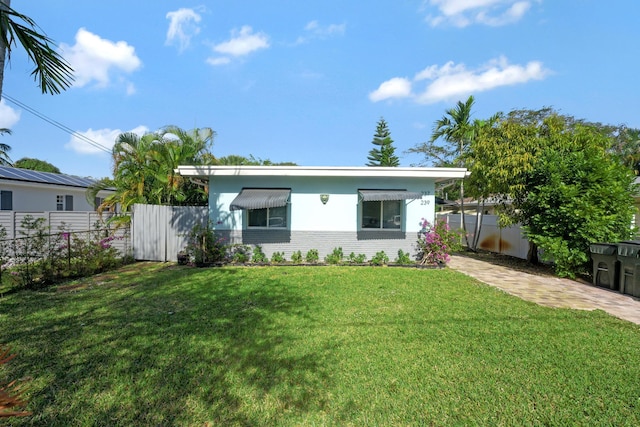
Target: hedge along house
[{"x": 363, "y": 210}]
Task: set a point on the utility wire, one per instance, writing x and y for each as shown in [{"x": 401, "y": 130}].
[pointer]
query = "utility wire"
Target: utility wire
[{"x": 57, "y": 124}]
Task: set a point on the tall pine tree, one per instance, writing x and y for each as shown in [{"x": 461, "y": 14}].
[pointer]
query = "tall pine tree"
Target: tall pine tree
[{"x": 384, "y": 152}]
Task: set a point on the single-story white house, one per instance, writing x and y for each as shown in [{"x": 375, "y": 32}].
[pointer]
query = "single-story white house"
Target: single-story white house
[
  {"x": 362, "y": 210},
  {"x": 24, "y": 190}
]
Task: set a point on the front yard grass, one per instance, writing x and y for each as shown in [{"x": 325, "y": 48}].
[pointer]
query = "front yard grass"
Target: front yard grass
[{"x": 158, "y": 344}]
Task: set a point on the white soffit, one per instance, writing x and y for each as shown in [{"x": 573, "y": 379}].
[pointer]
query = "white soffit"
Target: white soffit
[{"x": 322, "y": 171}]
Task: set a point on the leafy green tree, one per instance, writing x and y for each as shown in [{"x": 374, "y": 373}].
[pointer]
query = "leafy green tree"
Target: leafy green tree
[
  {"x": 52, "y": 72},
  {"x": 557, "y": 177},
  {"x": 383, "y": 154},
  {"x": 35, "y": 165},
  {"x": 237, "y": 160}
]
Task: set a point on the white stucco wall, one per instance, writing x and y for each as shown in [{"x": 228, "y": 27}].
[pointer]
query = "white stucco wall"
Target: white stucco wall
[{"x": 307, "y": 212}]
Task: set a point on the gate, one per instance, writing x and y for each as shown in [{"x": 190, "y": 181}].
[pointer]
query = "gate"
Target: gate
[{"x": 160, "y": 232}]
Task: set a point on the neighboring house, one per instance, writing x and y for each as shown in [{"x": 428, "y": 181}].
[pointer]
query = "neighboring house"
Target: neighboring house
[
  {"x": 24, "y": 190},
  {"x": 289, "y": 208}
]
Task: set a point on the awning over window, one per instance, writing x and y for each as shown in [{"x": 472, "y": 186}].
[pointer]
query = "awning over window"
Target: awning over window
[
  {"x": 382, "y": 195},
  {"x": 260, "y": 198}
]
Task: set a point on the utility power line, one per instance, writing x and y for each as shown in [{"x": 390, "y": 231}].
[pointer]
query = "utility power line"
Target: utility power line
[{"x": 57, "y": 124}]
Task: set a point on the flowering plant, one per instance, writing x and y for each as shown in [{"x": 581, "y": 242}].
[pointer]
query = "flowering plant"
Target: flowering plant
[{"x": 436, "y": 241}]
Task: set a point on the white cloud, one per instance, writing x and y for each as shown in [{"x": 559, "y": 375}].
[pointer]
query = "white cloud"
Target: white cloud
[
  {"x": 451, "y": 81},
  {"x": 103, "y": 137},
  {"x": 241, "y": 43},
  {"x": 95, "y": 59},
  {"x": 462, "y": 13},
  {"x": 397, "y": 87},
  {"x": 313, "y": 30},
  {"x": 8, "y": 116},
  {"x": 183, "y": 25}
]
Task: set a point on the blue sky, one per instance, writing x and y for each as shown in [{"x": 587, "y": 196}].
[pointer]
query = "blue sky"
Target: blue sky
[{"x": 307, "y": 81}]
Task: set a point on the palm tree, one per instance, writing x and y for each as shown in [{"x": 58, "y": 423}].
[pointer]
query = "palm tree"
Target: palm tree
[
  {"x": 456, "y": 128},
  {"x": 144, "y": 168},
  {"x": 52, "y": 72},
  {"x": 4, "y": 149}
]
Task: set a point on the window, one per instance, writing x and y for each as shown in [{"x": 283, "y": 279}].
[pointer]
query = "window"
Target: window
[
  {"x": 64, "y": 203},
  {"x": 264, "y": 207},
  {"x": 267, "y": 217},
  {"x": 382, "y": 214},
  {"x": 6, "y": 200},
  {"x": 382, "y": 209}
]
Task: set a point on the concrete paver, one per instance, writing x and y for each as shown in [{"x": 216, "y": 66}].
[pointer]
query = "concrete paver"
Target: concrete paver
[{"x": 550, "y": 291}]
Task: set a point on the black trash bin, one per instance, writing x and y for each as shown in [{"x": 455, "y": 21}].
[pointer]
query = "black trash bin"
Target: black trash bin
[
  {"x": 628, "y": 255},
  {"x": 606, "y": 268}
]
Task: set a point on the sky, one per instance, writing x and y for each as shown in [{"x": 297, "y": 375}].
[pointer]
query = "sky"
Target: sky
[{"x": 308, "y": 81}]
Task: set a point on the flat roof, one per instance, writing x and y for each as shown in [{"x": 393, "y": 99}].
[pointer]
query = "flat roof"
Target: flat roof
[{"x": 323, "y": 171}]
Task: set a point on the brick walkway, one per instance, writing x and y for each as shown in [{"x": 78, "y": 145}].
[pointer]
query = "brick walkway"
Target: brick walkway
[{"x": 550, "y": 291}]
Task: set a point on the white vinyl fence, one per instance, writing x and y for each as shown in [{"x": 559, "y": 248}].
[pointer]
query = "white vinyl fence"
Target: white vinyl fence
[
  {"x": 160, "y": 232},
  {"x": 508, "y": 241},
  {"x": 69, "y": 221}
]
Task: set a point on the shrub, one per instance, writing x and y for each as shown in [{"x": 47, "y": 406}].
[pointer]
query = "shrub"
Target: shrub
[
  {"x": 296, "y": 257},
  {"x": 403, "y": 258},
  {"x": 204, "y": 246},
  {"x": 278, "y": 258},
  {"x": 258, "y": 255},
  {"x": 436, "y": 242},
  {"x": 312, "y": 256},
  {"x": 356, "y": 259},
  {"x": 240, "y": 253},
  {"x": 380, "y": 258},
  {"x": 334, "y": 257}
]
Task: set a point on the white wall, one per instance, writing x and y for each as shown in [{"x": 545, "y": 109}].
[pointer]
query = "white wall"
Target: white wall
[
  {"x": 30, "y": 197},
  {"x": 307, "y": 212}
]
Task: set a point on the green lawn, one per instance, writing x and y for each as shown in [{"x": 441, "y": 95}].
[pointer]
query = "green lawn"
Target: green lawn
[{"x": 154, "y": 344}]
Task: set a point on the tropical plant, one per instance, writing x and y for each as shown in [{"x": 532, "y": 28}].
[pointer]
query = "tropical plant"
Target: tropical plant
[
  {"x": 312, "y": 256},
  {"x": 383, "y": 154},
  {"x": 380, "y": 258},
  {"x": 4, "y": 149},
  {"x": 456, "y": 129},
  {"x": 436, "y": 242},
  {"x": 404, "y": 258},
  {"x": 52, "y": 72},
  {"x": 259, "y": 256},
  {"x": 144, "y": 168},
  {"x": 278, "y": 258},
  {"x": 296, "y": 257},
  {"x": 335, "y": 257}
]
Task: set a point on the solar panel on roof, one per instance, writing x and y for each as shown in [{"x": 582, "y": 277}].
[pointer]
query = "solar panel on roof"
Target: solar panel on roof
[{"x": 44, "y": 177}]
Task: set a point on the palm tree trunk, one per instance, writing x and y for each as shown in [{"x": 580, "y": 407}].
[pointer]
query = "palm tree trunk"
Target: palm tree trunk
[
  {"x": 464, "y": 226},
  {"x": 4, "y": 4}
]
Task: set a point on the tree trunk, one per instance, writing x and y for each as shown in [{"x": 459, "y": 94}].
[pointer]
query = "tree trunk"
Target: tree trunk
[
  {"x": 532, "y": 254},
  {"x": 478, "y": 229},
  {"x": 4, "y": 4},
  {"x": 464, "y": 227}
]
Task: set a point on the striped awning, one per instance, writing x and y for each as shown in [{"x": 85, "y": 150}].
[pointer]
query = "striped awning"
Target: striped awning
[
  {"x": 260, "y": 198},
  {"x": 382, "y": 195}
]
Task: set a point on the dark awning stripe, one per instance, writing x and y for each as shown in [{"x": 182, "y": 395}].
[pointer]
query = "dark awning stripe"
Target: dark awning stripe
[
  {"x": 382, "y": 195},
  {"x": 260, "y": 198}
]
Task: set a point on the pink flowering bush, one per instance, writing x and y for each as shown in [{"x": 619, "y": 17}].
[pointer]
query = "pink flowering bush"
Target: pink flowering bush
[{"x": 436, "y": 242}]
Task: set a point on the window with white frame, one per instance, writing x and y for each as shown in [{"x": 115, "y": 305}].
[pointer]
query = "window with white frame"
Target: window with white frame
[
  {"x": 64, "y": 202},
  {"x": 381, "y": 214},
  {"x": 264, "y": 207}
]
